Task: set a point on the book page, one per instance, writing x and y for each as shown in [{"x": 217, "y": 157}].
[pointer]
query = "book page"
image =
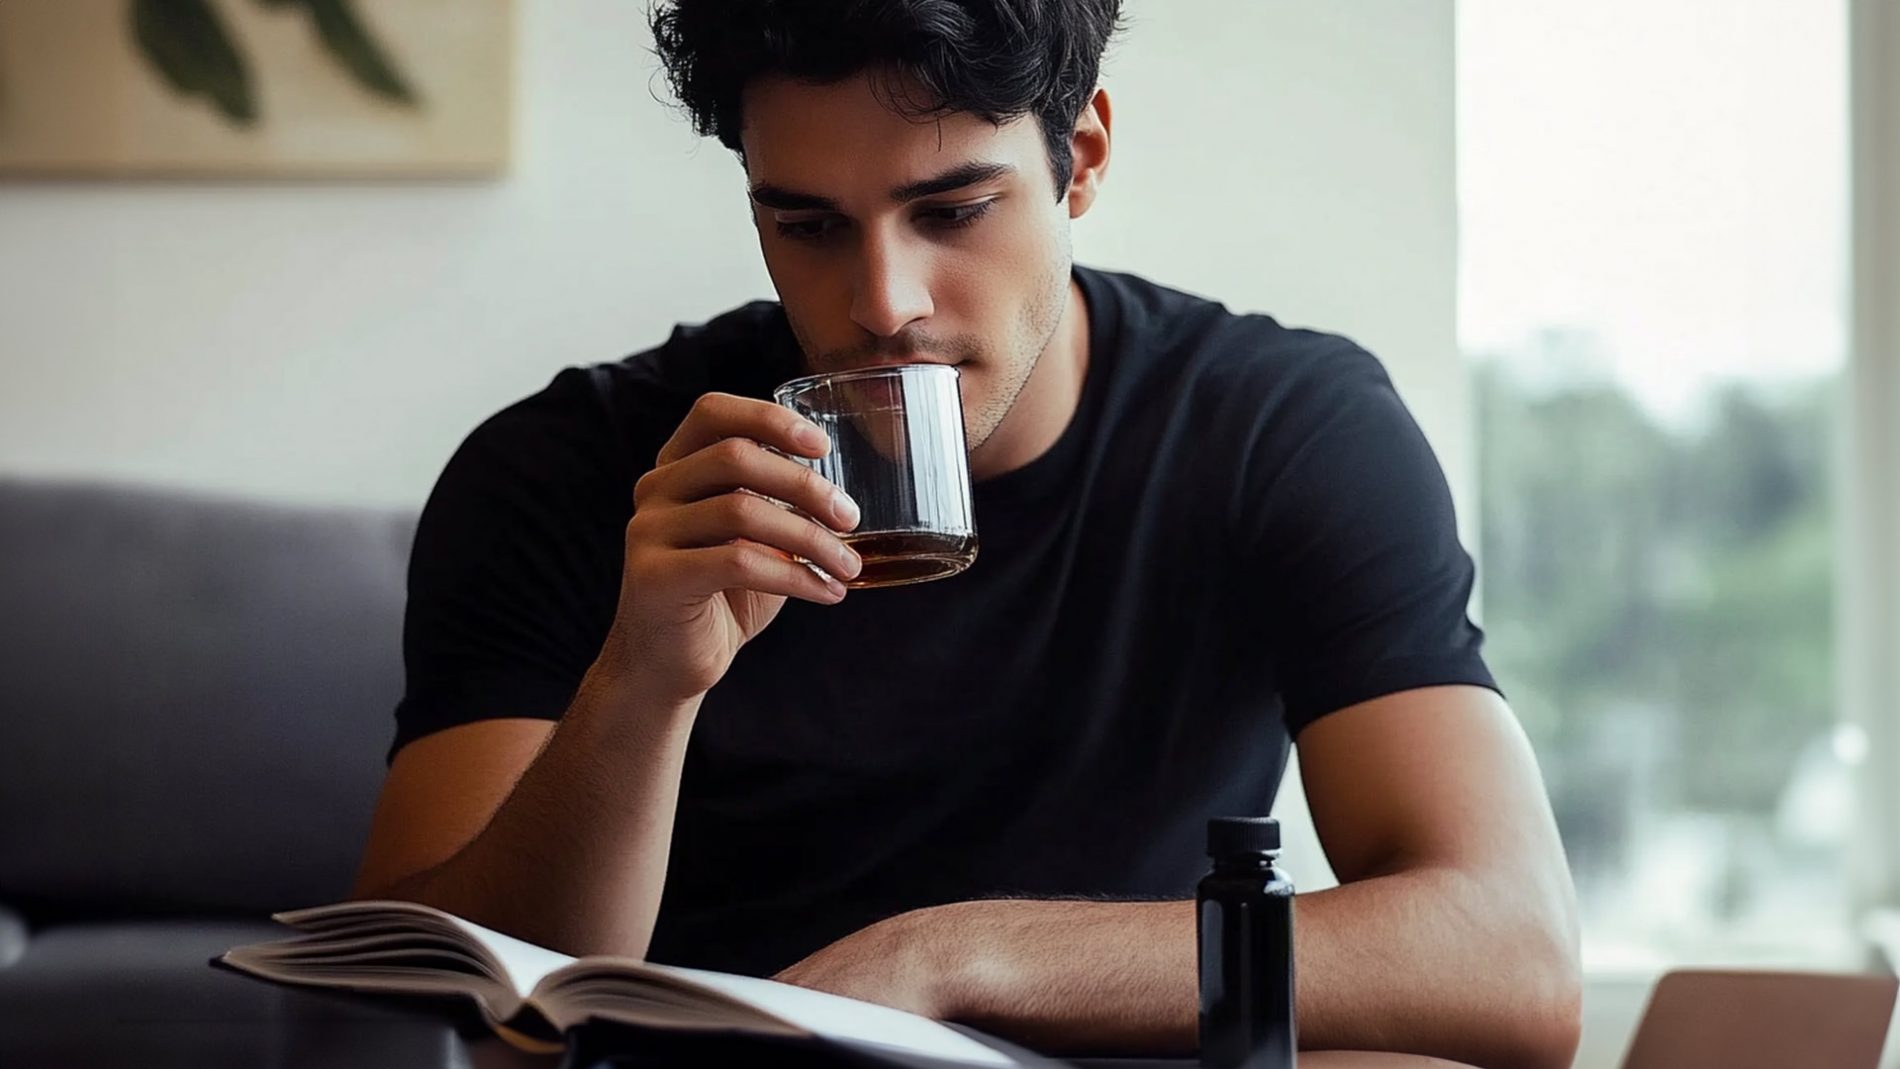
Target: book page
[
  {"x": 836, "y": 1017},
  {"x": 356, "y": 939},
  {"x": 524, "y": 962}
]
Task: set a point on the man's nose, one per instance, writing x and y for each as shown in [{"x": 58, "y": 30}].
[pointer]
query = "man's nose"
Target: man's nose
[{"x": 892, "y": 291}]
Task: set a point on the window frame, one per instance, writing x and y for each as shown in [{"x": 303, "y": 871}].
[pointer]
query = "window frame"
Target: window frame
[{"x": 1868, "y": 572}]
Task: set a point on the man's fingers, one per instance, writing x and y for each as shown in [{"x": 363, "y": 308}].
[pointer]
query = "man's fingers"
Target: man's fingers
[
  {"x": 723, "y": 415},
  {"x": 750, "y": 566},
  {"x": 740, "y": 464},
  {"x": 702, "y": 522},
  {"x": 730, "y": 517}
]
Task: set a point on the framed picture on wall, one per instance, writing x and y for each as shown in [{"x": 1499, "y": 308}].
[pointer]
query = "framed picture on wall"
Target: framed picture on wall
[{"x": 256, "y": 88}]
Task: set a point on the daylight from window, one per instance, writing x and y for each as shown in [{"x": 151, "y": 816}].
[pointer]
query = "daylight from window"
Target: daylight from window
[{"x": 1652, "y": 201}]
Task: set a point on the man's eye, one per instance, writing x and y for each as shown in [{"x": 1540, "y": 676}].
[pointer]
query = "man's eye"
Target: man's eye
[
  {"x": 958, "y": 216},
  {"x": 807, "y": 229}
]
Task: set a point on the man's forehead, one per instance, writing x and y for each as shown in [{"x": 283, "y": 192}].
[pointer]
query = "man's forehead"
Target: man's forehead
[{"x": 799, "y": 133}]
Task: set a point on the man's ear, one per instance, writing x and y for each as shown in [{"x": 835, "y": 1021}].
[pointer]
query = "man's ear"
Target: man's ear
[{"x": 1088, "y": 147}]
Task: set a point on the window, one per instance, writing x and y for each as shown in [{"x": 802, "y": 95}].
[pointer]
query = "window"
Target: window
[{"x": 1654, "y": 303}]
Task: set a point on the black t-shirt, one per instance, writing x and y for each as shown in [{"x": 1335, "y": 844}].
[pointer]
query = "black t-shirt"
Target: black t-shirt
[{"x": 1241, "y": 530}]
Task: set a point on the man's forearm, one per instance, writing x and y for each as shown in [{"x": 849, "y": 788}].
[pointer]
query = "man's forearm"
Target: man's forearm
[
  {"x": 575, "y": 858},
  {"x": 1425, "y": 961}
]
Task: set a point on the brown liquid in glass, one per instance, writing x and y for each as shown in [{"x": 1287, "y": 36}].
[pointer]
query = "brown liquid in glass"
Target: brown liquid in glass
[{"x": 903, "y": 557}]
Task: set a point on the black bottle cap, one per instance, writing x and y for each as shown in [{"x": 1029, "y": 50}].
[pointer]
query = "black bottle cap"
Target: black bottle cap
[{"x": 1242, "y": 835}]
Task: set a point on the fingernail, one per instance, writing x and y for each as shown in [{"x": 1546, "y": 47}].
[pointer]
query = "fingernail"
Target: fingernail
[
  {"x": 810, "y": 436},
  {"x": 836, "y": 588},
  {"x": 849, "y": 563},
  {"x": 845, "y": 509}
]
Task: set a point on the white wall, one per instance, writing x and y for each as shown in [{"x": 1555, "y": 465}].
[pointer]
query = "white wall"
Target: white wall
[{"x": 334, "y": 342}]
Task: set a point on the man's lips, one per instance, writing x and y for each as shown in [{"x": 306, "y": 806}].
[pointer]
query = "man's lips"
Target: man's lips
[
  {"x": 887, "y": 361},
  {"x": 900, "y": 361}
]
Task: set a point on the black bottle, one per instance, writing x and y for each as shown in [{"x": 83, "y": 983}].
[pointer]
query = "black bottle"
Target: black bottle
[{"x": 1245, "y": 918}]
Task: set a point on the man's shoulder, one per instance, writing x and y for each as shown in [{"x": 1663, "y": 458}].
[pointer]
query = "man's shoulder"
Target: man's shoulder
[
  {"x": 602, "y": 424},
  {"x": 745, "y": 350},
  {"x": 1197, "y": 348}
]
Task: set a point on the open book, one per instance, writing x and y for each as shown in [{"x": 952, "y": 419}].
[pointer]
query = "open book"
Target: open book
[{"x": 531, "y": 995}]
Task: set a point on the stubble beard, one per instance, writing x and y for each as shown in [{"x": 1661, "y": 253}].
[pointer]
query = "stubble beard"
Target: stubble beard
[
  {"x": 1036, "y": 328},
  {"x": 1041, "y": 319}
]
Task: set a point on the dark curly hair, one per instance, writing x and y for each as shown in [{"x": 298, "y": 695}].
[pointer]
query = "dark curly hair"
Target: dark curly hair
[{"x": 995, "y": 59}]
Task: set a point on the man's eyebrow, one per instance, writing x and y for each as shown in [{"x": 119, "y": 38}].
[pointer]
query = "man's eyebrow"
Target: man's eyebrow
[
  {"x": 965, "y": 174},
  {"x": 767, "y": 195}
]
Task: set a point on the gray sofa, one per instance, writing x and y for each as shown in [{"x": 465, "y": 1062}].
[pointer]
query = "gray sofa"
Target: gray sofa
[{"x": 195, "y": 699}]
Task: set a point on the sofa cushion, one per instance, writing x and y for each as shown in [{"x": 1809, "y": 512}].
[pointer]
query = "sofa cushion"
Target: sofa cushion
[
  {"x": 12, "y": 937},
  {"x": 196, "y": 694}
]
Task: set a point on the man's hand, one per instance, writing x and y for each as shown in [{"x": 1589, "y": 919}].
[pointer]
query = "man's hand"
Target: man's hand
[
  {"x": 709, "y": 559},
  {"x": 891, "y": 963}
]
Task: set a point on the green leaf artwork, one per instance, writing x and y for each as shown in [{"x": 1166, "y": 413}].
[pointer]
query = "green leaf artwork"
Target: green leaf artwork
[
  {"x": 343, "y": 35},
  {"x": 185, "y": 41},
  {"x": 188, "y": 45}
]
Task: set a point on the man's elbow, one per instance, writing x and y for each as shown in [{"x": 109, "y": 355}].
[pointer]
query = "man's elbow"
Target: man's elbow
[
  {"x": 1527, "y": 976},
  {"x": 1545, "y": 1019},
  {"x": 1552, "y": 1025},
  {"x": 373, "y": 885}
]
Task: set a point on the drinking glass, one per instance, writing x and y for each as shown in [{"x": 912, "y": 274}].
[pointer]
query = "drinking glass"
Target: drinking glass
[{"x": 897, "y": 448}]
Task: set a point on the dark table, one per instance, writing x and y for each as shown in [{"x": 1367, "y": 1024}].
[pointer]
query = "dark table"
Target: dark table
[
  {"x": 315, "y": 1030},
  {"x": 157, "y": 1003}
]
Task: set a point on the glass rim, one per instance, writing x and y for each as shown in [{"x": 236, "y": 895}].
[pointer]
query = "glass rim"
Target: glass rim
[{"x": 803, "y": 383}]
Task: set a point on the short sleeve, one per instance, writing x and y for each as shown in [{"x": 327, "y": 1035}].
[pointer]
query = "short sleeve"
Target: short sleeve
[
  {"x": 514, "y": 573},
  {"x": 1353, "y": 537}
]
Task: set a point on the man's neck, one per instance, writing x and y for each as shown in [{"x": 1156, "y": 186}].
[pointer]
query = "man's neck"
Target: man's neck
[{"x": 1048, "y": 400}]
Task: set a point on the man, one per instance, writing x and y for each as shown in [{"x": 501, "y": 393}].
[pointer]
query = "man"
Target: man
[{"x": 634, "y": 724}]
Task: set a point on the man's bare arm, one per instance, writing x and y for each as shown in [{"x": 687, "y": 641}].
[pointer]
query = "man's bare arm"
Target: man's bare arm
[
  {"x": 1453, "y": 934},
  {"x": 572, "y": 854},
  {"x": 565, "y": 844}
]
